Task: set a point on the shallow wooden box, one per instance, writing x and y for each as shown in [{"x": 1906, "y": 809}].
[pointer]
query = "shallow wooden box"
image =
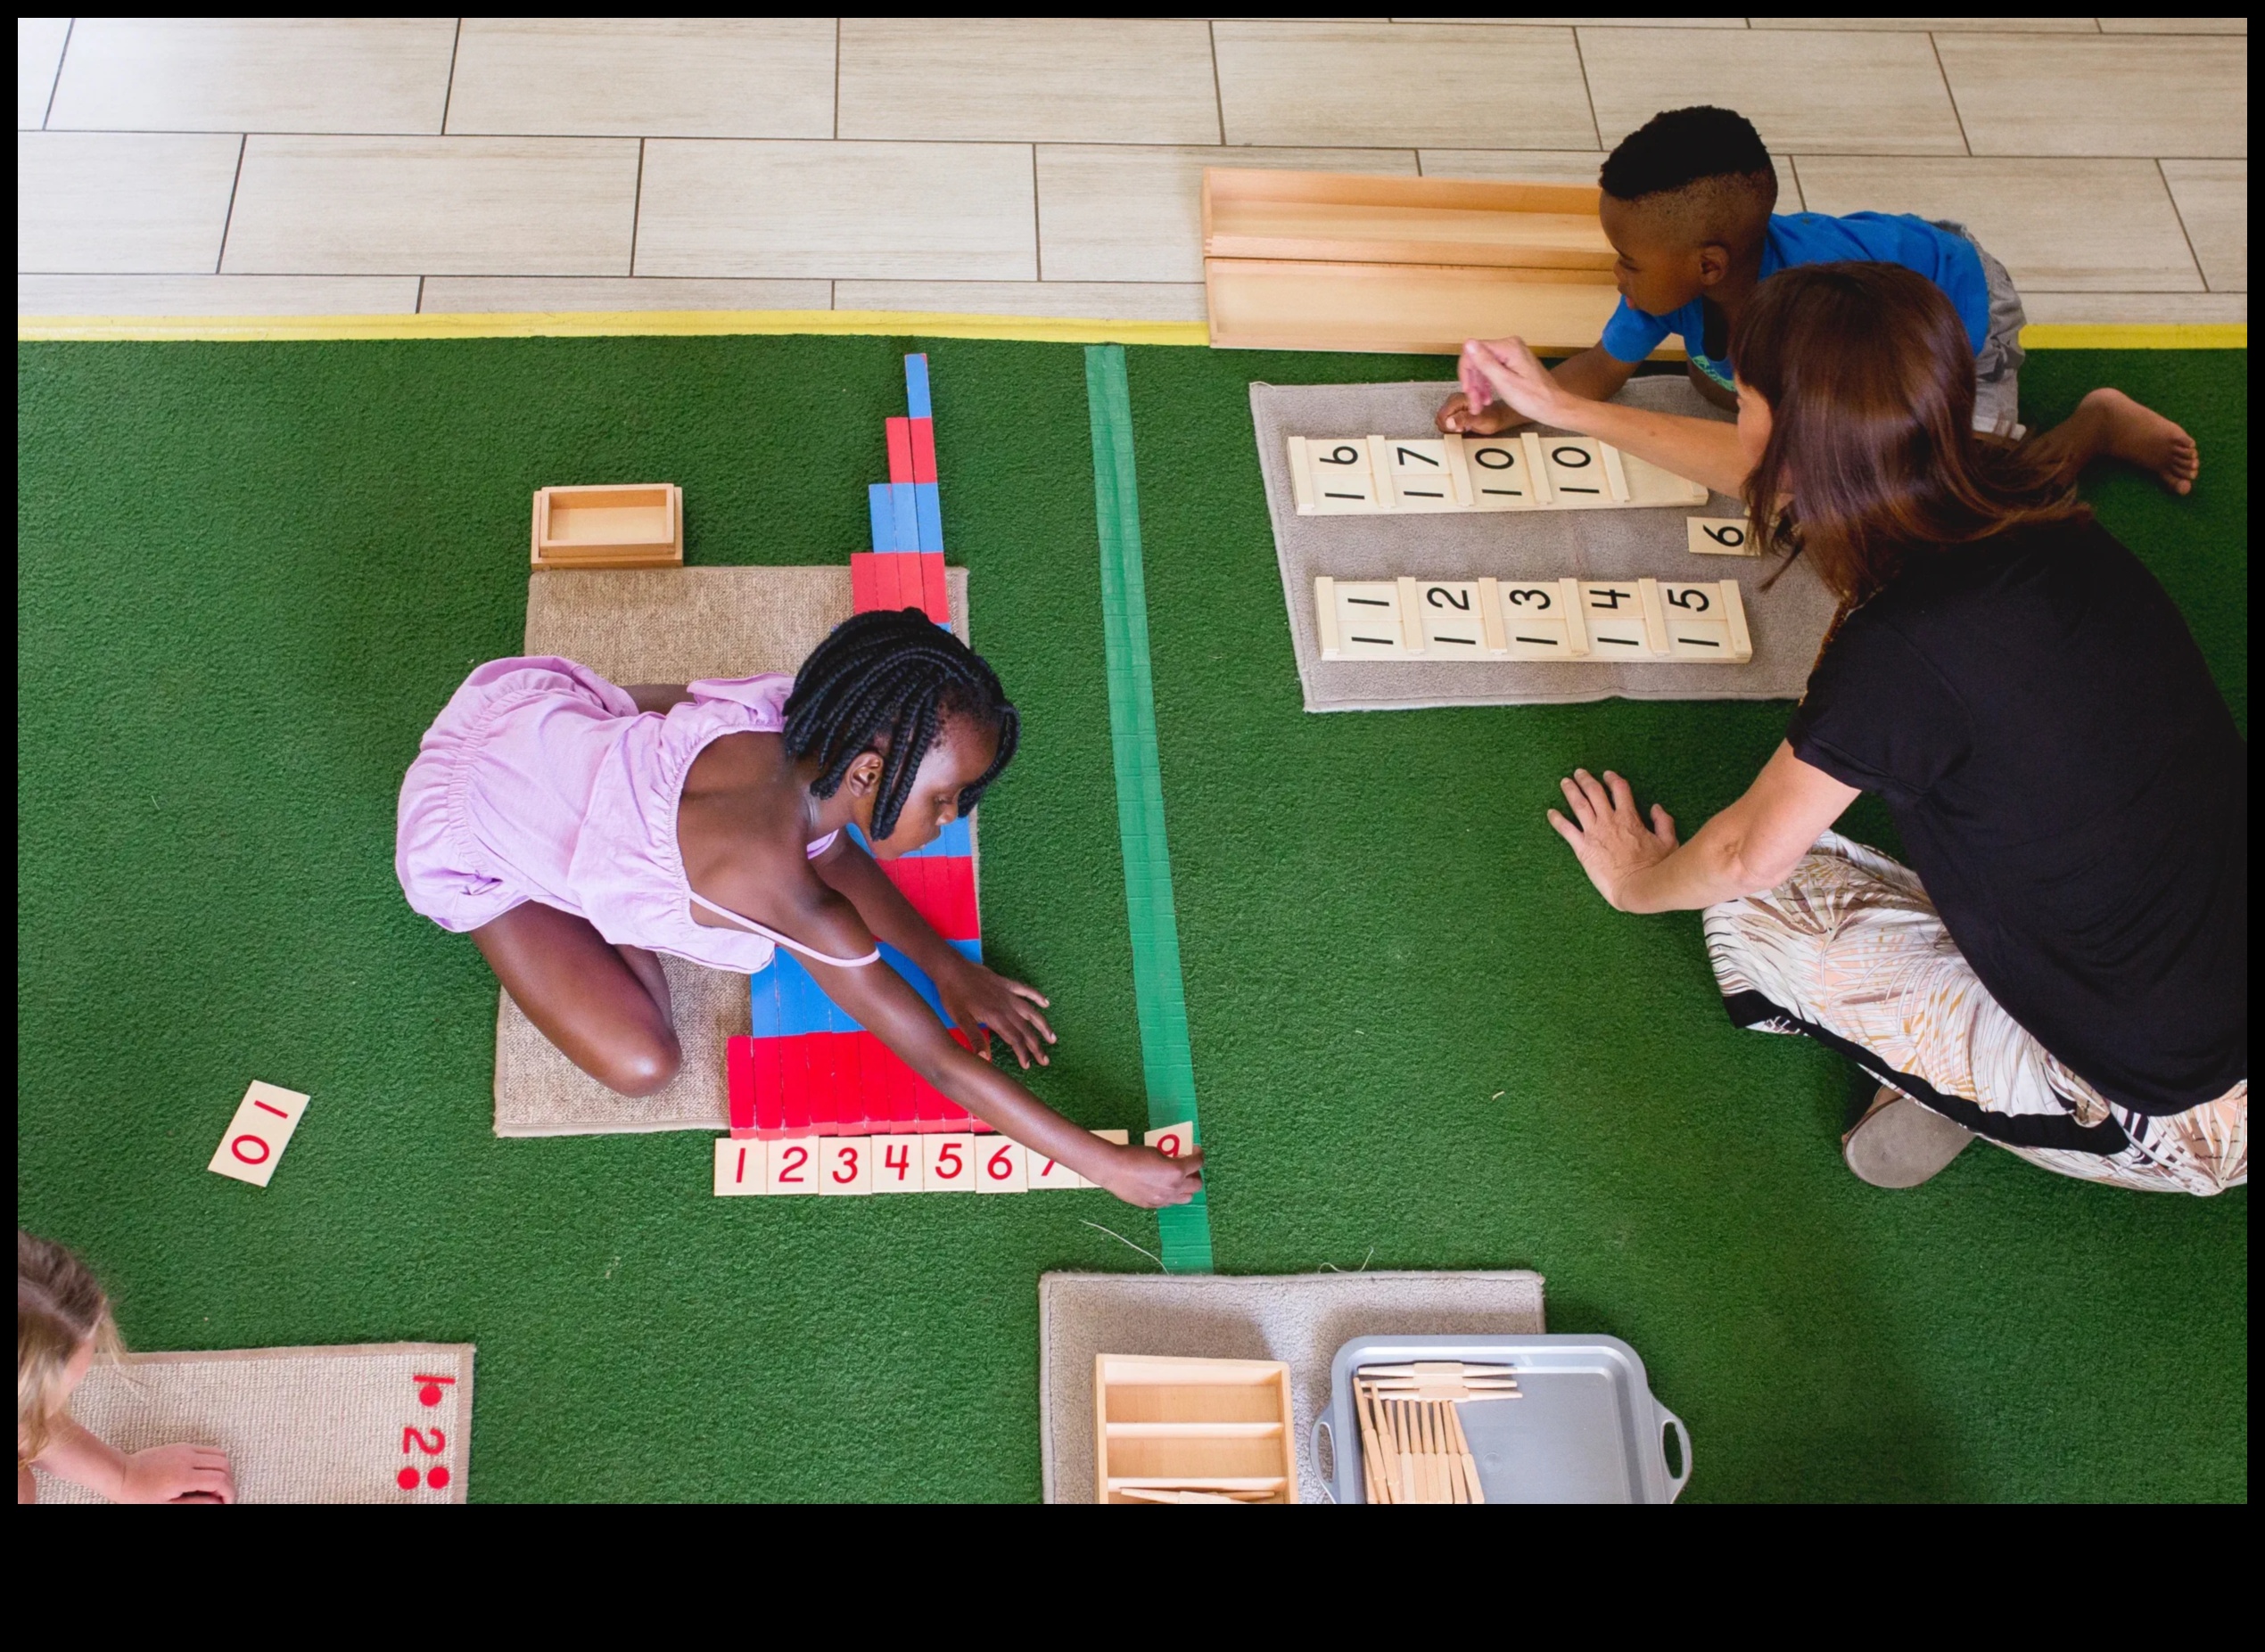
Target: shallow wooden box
[
  {"x": 632, "y": 525},
  {"x": 1193, "y": 1424}
]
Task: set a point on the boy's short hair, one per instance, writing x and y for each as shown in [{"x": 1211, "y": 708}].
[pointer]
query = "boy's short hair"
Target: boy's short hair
[{"x": 1712, "y": 158}]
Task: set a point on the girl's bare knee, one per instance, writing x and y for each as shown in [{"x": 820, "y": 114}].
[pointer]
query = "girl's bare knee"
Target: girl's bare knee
[{"x": 642, "y": 1067}]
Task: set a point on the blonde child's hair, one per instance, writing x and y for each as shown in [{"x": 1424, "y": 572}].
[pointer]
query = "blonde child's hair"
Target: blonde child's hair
[{"x": 59, "y": 1309}]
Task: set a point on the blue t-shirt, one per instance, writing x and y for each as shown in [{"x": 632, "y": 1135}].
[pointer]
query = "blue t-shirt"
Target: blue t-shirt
[{"x": 1951, "y": 261}]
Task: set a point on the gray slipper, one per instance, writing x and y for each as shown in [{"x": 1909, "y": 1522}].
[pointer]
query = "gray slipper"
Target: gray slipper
[{"x": 1899, "y": 1144}]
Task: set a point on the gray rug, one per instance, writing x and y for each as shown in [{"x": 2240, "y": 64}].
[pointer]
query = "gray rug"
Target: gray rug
[
  {"x": 665, "y": 625},
  {"x": 1787, "y": 621},
  {"x": 1300, "y": 1319}
]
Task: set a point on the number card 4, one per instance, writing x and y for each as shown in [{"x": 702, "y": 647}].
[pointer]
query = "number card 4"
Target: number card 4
[{"x": 257, "y": 1136}]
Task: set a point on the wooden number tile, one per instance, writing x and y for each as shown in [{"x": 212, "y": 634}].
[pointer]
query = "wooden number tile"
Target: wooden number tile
[
  {"x": 1720, "y": 536},
  {"x": 1342, "y": 480},
  {"x": 1541, "y": 620},
  {"x": 947, "y": 1163},
  {"x": 1122, "y": 1139},
  {"x": 1576, "y": 471},
  {"x": 258, "y": 1133},
  {"x": 1042, "y": 1174},
  {"x": 1649, "y": 484},
  {"x": 896, "y": 1162},
  {"x": 1173, "y": 1141},
  {"x": 793, "y": 1166},
  {"x": 1366, "y": 615},
  {"x": 1454, "y": 625},
  {"x": 742, "y": 1167},
  {"x": 1613, "y": 612},
  {"x": 1499, "y": 474},
  {"x": 1421, "y": 480},
  {"x": 999, "y": 1165},
  {"x": 1696, "y": 620},
  {"x": 1697, "y": 639},
  {"x": 845, "y": 1164}
]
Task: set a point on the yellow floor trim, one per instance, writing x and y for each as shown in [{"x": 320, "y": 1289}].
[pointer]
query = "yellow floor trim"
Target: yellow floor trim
[
  {"x": 883, "y": 323},
  {"x": 604, "y": 324},
  {"x": 2136, "y": 335}
]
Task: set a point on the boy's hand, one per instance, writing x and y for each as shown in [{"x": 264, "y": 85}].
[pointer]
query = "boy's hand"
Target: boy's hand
[
  {"x": 982, "y": 1001},
  {"x": 177, "y": 1473},
  {"x": 1505, "y": 368},
  {"x": 1144, "y": 1176},
  {"x": 1460, "y": 416}
]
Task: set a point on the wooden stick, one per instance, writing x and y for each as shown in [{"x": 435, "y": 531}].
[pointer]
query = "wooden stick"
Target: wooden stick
[
  {"x": 1372, "y": 1426},
  {"x": 1408, "y": 1492},
  {"x": 1469, "y": 1460}
]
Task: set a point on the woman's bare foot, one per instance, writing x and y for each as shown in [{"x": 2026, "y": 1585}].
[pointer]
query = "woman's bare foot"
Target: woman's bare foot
[
  {"x": 1455, "y": 416},
  {"x": 2107, "y": 424}
]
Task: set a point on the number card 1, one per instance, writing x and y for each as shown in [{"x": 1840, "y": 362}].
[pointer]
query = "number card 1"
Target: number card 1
[
  {"x": 257, "y": 1136},
  {"x": 743, "y": 1167}
]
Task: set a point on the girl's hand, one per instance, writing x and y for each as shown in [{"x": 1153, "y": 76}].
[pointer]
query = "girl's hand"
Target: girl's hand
[
  {"x": 1608, "y": 834},
  {"x": 1484, "y": 416},
  {"x": 1489, "y": 368},
  {"x": 1144, "y": 1176},
  {"x": 981, "y": 1002},
  {"x": 177, "y": 1473}
]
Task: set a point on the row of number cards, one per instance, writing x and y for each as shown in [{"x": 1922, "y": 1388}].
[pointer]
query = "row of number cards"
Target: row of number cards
[
  {"x": 1593, "y": 619},
  {"x": 1362, "y": 475},
  {"x": 934, "y": 1163}
]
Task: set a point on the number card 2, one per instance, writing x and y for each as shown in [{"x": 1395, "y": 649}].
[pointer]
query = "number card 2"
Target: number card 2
[
  {"x": 257, "y": 1136},
  {"x": 792, "y": 1167}
]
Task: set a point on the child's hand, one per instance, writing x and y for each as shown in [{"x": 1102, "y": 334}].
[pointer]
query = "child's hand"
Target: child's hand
[
  {"x": 1461, "y": 415},
  {"x": 1144, "y": 1176},
  {"x": 982, "y": 1002},
  {"x": 177, "y": 1473},
  {"x": 1507, "y": 369}
]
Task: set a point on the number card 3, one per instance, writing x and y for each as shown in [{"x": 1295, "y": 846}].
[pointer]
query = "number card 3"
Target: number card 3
[
  {"x": 257, "y": 1136},
  {"x": 844, "y": 1164}
]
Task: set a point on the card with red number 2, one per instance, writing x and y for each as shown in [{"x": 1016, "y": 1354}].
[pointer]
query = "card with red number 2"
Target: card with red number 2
[{"x": 427, "y": 1449}]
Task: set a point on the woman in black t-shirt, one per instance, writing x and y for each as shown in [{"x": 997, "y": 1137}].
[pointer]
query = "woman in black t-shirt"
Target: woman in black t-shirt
[{"x": 2065, "y": 967}]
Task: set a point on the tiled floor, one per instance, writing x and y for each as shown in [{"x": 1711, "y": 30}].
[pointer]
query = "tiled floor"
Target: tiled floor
[{"x": 1046, "y": 166}]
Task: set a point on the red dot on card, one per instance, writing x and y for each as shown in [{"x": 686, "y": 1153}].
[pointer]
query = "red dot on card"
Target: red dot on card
[
  {"x": 437, "y": 1476},
  {"x": 407, "y": 1479},
  {"x": 429, "y": 1394}
]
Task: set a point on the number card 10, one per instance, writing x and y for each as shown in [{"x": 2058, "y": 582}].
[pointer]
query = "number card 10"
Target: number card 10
[{"x": 257, "y": 1136}]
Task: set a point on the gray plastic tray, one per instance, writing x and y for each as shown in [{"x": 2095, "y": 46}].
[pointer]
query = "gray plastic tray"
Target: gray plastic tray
[{"x": 1589, "y": 1430}]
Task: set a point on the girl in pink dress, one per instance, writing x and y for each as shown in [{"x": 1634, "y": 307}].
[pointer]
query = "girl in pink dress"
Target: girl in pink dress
[{"x": 575, "y": 829}]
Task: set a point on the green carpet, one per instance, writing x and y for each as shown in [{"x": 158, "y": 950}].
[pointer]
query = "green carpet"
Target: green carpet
[{"x": 250, "y": 575}]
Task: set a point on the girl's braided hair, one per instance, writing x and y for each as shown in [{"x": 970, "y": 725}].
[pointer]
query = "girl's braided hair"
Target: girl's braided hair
[{"x": 884, "y": 682}]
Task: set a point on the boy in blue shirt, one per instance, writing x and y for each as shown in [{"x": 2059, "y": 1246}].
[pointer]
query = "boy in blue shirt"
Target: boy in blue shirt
[{"x": 1686, "y": 206}]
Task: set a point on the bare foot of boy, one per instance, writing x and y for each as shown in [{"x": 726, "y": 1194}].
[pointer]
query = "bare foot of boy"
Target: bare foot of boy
[
  {"x": 1456, "y": 417},
  {"x": 2107, "y": 424}
]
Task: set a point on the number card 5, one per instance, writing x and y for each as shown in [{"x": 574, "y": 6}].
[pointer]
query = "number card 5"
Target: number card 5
[{"x": 257, "y": 1136}]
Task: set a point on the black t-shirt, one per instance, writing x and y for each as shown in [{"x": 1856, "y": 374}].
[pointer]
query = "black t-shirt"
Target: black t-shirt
[{"x": 2071, "y": 790}]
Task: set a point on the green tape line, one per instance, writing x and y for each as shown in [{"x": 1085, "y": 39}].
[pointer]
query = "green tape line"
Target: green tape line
[{"x": 1157, "y": 992}]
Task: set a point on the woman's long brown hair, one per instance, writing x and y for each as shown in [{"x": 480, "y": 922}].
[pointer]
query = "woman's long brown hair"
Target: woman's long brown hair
[{"x": 1872, "y": 458}]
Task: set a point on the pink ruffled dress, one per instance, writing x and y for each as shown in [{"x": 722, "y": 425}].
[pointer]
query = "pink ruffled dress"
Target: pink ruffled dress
[{"x": 542, "y": 781}]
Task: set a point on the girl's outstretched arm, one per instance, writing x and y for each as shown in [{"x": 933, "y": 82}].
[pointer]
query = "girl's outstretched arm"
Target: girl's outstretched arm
[
  {"x": 979, "y": 999},
  {"x": 164, "y": 1474}
]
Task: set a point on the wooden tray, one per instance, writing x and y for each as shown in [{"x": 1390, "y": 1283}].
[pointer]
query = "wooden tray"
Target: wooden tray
[
  {"x": 1344, "y": 218},
  {"x": 1194, "y": 1425},
  {"x": 632, "y": 525},
  {"x": 1402, "y": 309}
]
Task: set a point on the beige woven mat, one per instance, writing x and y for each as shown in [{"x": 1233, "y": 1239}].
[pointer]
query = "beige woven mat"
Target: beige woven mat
[
  {"x": 300, "y": 1425},
  {"x": 1787, "y": 621},
  {"x": 1301, "y": 1319},
  {"x": 664, "y": 625}
]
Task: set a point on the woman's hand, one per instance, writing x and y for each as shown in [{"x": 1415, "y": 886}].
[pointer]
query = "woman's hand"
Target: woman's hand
[
  {"x": 1461, "y": 415},
  {"x": 1505, "y": 369},
  {"x": 1608, "y": 834},
  {"x": 177, "y": 1473},
  {"x": 1144, "y": 1176},
  {"x": 981, "y": 1002}
]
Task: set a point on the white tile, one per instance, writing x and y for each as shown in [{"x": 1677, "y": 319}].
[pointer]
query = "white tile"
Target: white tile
[
  {"x": 1323, "y": 83},
  {"x": 1064, "y": 80},
  {"x": 2058, "y": 225},
  {"x": 2128, "y": 309},
  {"x": 1594, "y": 22},
  {"x": 1941, "y": 25},
  {"x": 1564, "y": 166},
  {"x": 447, "y": 295},
  {"x": 881, "y": 212},
  {"x": 2214, "y": 204},
  {"x": 2021, "y": 95},
  {"x": 2174, "y": 25},
  {"x": 39, "y": 52},
  {"x": 122, "y": 203},
  {"x": 1084, "y": 300},
  {"x": 1114, "y": 212},
  {"x": 1808, "y": 92},
  {"x": 434, "y": 206},
  {"x": 255, "y": 74},
  {"x": 216, "y": 295},
  {"x": 764, "y": 77}
]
